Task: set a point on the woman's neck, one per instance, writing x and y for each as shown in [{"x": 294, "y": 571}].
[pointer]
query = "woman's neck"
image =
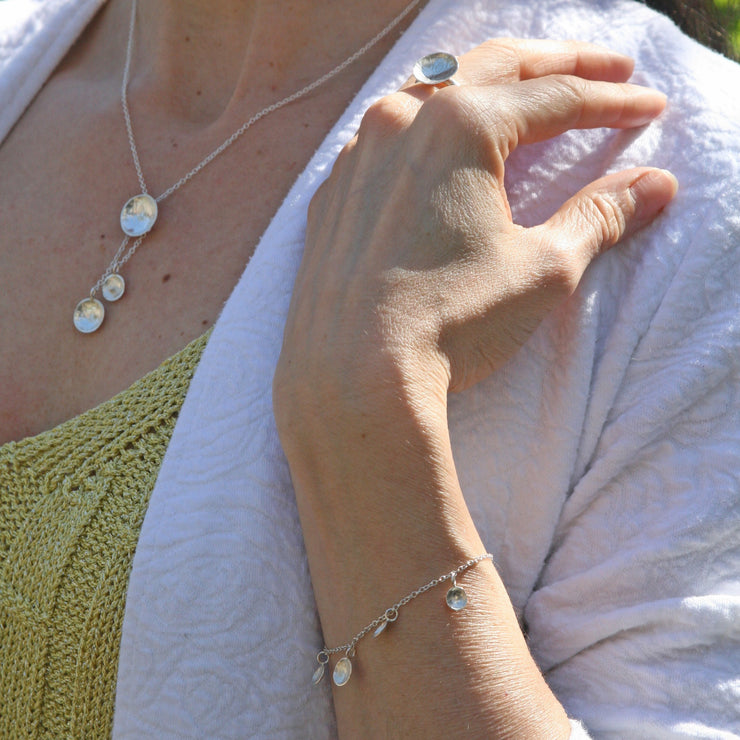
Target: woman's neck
[{"x": 205, "y": 58}]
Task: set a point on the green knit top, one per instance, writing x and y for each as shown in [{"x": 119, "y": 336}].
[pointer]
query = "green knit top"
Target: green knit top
[{"x": 72, "y": 501}]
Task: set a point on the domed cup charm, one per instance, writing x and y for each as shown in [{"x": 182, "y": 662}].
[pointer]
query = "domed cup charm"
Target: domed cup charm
[
  {"x": 88, "y": 315},
  {"x": 437, "y": 69},
  {"x": 139, "y": 215}
]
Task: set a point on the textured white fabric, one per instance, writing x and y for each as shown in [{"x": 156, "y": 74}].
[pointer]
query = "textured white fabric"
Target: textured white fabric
[
  {"x": 578, "y": 731},
  {"x": 600, "y": 464},
  {"x": 34, "y": 36}
]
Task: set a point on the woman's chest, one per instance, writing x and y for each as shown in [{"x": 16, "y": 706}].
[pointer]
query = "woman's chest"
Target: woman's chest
[{"x": 67, "y": 169}]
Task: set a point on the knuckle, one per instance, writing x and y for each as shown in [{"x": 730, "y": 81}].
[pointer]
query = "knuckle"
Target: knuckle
[
  {"x": 387, "y": 115},
  {"x": 343, "y": 167},
  {"x": 316, "y": 204},
  {"x": 504, "y": 53},
  {"x": 322, "y": 199},
  {"x": 500, "y": 44},
  {"x": 569, "y": 84},
  {"x": 457, "y": 114},
  {"x": 562, "y": 266},
  {"x": 504, "y": 47},
  {"x": 572, "y": 93},
  {"x": 446, "y": 109},
  {"x": 605, "y": 217},
  {"x": 573, "y": 48},
  {"x": 345, "y": 156}
]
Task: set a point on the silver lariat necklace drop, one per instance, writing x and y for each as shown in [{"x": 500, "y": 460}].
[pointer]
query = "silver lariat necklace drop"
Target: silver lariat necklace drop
[{"x": 139, "y": 213}]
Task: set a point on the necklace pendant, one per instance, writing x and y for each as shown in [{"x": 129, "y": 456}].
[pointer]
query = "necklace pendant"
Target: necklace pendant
[
  {"x": 88, "y": 315},
  {"x": 139, "y": 215},
  {"x": 113, "y": 287}
]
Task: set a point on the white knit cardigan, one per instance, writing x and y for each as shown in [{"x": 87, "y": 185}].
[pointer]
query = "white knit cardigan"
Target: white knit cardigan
[{"x": 600, "y": 465}]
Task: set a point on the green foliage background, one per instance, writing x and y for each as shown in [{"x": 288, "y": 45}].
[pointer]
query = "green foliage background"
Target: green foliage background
[{"x": 728, "y": 12}]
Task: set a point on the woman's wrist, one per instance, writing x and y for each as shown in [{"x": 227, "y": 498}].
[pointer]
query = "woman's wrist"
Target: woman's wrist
[
  {"x": 381, "y": 517},
  {"x": 382, "y": 514},
  {"x": 360, "y": 397},
  {"x": 376, "y": 457},
  {"x": 372, "y": 469}
]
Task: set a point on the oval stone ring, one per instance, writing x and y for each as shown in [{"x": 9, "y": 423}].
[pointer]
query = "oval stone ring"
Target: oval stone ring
[{"x": 437, "y": 69}]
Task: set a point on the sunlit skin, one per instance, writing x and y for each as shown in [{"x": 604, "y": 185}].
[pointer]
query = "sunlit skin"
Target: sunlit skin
[
  {"x": 68, "y": 171},
  {"x": 415, "y": 282}
]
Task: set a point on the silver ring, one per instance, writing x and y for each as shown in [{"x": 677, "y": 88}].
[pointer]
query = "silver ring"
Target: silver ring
[{"x": 437, "y": 69}]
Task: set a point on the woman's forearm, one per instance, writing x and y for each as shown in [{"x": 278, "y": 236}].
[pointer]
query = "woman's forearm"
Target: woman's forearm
[
  {"x": 382, "y": 514},
  {"x": 415, "y": 282}
]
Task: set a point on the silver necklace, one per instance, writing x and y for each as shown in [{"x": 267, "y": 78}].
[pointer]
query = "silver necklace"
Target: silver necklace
[{"x": 139, "y": 213}]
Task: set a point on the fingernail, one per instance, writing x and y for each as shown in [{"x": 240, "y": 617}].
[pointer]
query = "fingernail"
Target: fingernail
[
  {"x": 651, "y": 193},
  {"x": 651, "y": 104},
  {"x": 618, "y": 55},
  {"x": 673, "y": 179}
]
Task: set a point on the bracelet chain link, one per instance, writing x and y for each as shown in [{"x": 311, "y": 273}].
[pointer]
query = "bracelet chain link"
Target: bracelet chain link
[{"x": 456, "y": 599}]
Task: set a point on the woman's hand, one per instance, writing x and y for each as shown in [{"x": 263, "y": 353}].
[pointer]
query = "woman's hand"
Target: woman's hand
[
  {"x": 415, "y": 282},
  {"x": 411, "y": 255}
]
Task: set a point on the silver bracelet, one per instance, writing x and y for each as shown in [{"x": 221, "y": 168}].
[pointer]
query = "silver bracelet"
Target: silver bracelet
[{"x": 456, "y": 599}]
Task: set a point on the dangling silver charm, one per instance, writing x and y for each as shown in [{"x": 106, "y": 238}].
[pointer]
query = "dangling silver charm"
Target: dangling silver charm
[
  {"x": 381, "y": 628},
  {"x": 113, "y": 287},
  {"x": 342, "y": 671},
  {"x": 318, "y": 674},
  {"x": 88, "y": 315},
  {"x": 390, "y": 615},
  {"x": 456, "y": 597},
  {"x": 139, "y": 215}
]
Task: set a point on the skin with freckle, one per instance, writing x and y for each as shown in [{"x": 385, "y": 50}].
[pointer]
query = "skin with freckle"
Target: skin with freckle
[
  {"x": 416, "y": 290},
  {"x": 181, "y": 111}
]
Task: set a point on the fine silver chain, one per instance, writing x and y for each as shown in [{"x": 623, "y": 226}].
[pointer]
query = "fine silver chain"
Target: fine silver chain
[
  {"x": 389, "y": 616},
  {"x": 89, "y": 312},
  {"x": 391, "y": 613},
  {"x": 91, "y": 307},
  {"x": 256, "y": 117}
]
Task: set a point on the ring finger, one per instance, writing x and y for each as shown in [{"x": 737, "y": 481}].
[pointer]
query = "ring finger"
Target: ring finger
[{"x": 502, "y": 61}]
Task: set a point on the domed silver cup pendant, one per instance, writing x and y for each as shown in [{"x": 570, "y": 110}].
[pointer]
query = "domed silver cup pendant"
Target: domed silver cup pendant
[
  {"x": 342, "y": 671},
  {"x": 437, "y": 69},
  {"x": 113, "y": 287},
  {"x": 456, "y": 598},
  {"x": 139, "y": 215},
  {"x": 90, "y": 312},
  {"x": 88, "y": 315}
]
